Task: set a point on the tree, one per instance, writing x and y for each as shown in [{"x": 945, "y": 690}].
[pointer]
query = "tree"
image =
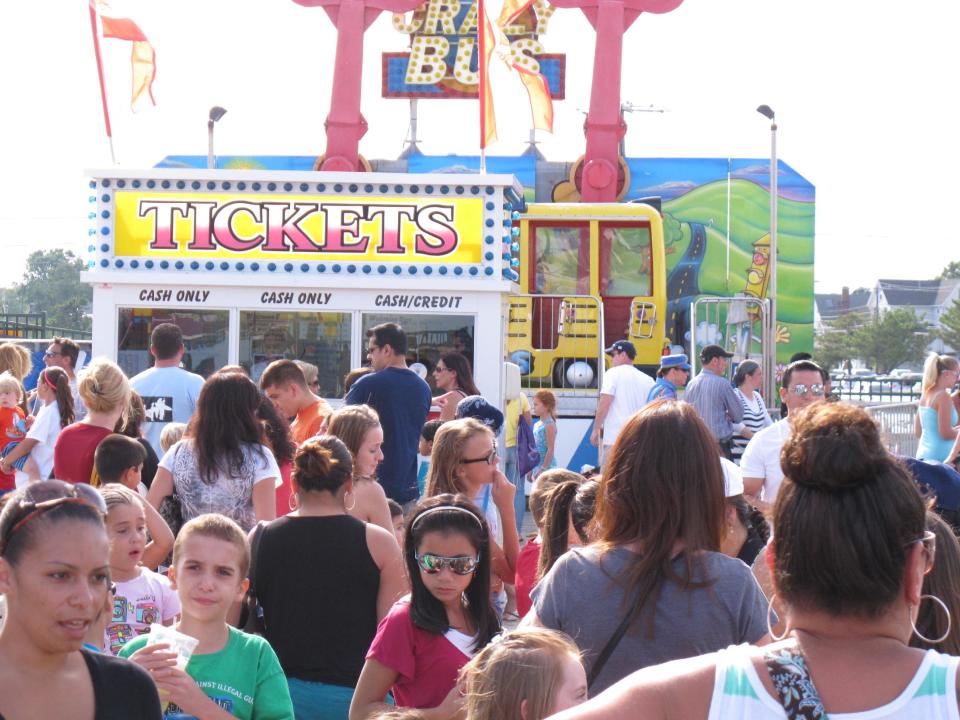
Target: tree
[
  {"x": 895, "y": 338},
  {"x": 52, "y": 284},
  {"x": 951, "y": 271},
  {"x": 835, "y": 344},
  {"x": 949, "y": 330}
]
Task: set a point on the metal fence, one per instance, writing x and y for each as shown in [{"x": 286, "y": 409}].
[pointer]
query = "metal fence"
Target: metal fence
[{"x": 896, "y": 423}]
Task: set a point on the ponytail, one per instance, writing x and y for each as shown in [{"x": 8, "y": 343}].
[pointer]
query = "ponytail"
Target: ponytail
[
  {"x": 57, "y": 380},
  {"x": 556, "y": 524}
]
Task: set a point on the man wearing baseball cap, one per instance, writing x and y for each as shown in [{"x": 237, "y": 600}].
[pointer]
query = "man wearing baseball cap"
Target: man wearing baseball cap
[
  {"x": 624, "y": 391},
  {"x": 712, "y": 394},
  {"x": 673, "y": 373}
]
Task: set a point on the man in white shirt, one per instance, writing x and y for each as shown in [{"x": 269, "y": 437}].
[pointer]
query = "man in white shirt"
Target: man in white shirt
[
  {"x": 624, "y": 391},
  {"x": 169, "y": 393},
  {"x": 803, "y": 385}
]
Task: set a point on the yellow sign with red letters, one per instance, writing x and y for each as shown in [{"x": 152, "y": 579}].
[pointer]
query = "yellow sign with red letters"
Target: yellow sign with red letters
[{"x": 257, "y": 226}]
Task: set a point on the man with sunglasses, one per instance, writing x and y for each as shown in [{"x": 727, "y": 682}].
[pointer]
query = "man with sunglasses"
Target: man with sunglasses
[
  {"x": 65, "y": 353},
  {"x": 802, "y": 385}
]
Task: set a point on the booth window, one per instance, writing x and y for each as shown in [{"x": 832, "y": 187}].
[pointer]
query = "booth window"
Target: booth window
[
  {"x": 319, "y": 338},
  {"x": 428, "y": 337},
  {"x": 562, "y": 259},
  {"x": 205, "y": 337}
]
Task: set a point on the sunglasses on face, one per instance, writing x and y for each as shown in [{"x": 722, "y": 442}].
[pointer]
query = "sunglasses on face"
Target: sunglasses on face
[
  {"x": 490, "y": 458},
  {"x": 801, "y": 389},
  {"x": 460, "y": 564},
  {"x": 51, "y": 354},
  {"x": 56, "y": 493}
]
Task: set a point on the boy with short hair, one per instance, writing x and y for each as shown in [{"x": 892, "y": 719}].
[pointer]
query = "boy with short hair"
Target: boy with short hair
[
  {"x": 231, "y": 674},
  {"x": 119, "y": 459}
]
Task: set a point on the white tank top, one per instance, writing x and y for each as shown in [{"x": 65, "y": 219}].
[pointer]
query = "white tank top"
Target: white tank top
[{"x": 738, "y": 693}]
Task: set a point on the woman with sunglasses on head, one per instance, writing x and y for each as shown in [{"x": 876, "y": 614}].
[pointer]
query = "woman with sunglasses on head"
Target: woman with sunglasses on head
[
  {"x": 454, "y": 376},
  {"x": 465, "y": 461},
  {"x": 324, "y": 580},
  {"x": 849, "y": 554},
  {"x": 653, "y": 586},
  {"x": 424, "y": 641},
  {"x": 55, "y": 576}
]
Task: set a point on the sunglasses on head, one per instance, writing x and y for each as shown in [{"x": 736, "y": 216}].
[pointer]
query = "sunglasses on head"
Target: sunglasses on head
[
  {"x": 460, "y": 564},
  {"x": 929, "y": 541},
  {"x": 44, "y": 496}
]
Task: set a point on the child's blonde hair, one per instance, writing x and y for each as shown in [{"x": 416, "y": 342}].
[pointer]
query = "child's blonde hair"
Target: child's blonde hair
[
  {"x": 219, "y": 527},
  {"x": 171, "y": 435},
  {"x": 115, "y": 494},
  {"x": 8, "y": 383},
  {"x": 103, "y": 387},
  {"x": 542, "y": 486},
  {"x": 548, "y": 400},
  {"x": 526, "y": 664}
]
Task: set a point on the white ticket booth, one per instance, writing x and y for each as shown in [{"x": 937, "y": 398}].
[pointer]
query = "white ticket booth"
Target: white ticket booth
[{"x": 258, "y": 266}]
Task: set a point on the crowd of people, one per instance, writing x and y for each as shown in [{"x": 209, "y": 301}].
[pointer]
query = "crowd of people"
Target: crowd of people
[{"x": 180, "y": 547}]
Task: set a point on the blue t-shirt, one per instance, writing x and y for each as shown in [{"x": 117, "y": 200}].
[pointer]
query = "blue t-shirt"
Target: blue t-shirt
[
  {"x": 402, "y": 400},
  {"x": 169, "y": 395}
]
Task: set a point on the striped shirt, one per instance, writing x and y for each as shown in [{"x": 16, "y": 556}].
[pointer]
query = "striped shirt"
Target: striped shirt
[
  {"x": 755, "y": 419},
  {"x": 715, "y": 399}
]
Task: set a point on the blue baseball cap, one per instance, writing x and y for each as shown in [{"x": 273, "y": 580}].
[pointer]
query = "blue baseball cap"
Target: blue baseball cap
[
  {"x": 624, "y": 346},
  {"x": 679, "y": 360},
  {"x": 477, "y": 407}
]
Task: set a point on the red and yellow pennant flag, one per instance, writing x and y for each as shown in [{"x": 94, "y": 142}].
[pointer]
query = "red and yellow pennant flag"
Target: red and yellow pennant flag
[
  {"x": 143, "y": 60},
  {"x": 494, "y": 40}
]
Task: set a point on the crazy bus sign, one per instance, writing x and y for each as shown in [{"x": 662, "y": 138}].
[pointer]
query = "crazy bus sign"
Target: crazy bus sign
[
  {"x": 357, "y": 224},
  {"x": 443, "y": 58}
]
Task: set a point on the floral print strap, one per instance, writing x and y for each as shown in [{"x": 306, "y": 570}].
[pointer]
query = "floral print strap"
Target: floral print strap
[{"x": 795, "y": 690}]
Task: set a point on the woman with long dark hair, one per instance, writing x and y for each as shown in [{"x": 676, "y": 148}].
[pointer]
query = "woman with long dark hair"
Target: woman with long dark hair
[
  {"x": 454, "y": 376},
  {"x": 278, "y": 438},
  {"x": 654, "y": 586},
  {"x": 222, "y": 465}
]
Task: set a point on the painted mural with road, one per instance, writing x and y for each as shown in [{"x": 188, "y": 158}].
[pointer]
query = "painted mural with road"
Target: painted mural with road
[{"x": 696, "y": 194}]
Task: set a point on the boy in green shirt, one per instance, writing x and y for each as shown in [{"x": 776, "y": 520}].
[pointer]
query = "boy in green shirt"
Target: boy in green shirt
[{"x": 231, "y": 674}]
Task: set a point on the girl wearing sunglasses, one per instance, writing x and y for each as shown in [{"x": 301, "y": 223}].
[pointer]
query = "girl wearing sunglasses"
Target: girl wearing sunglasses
[
  {"x": 54, "y": 573},
  {"x": 424, "y": 641}
]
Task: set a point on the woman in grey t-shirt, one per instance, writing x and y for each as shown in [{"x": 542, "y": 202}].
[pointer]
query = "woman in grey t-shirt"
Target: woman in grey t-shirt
[{"x": 659, "y": 519}]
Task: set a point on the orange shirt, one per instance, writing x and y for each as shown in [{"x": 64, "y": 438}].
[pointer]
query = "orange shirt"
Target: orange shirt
[{"x": 308, "y": 421}]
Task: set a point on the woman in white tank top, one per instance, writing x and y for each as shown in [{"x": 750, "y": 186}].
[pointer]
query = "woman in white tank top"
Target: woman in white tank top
[{"x": 848, "y": 562}]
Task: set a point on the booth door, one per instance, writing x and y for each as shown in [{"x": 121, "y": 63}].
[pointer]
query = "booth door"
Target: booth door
[{"x": 319, "y": 338}]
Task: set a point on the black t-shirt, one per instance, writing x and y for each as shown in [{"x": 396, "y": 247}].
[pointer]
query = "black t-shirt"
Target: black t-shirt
[
  {"x": 122, "y": 690},
  {"x": 317, "y": 584}
]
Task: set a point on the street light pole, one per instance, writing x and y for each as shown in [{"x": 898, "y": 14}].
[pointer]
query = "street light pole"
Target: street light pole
[
  {"x": 216, "y": 112},
  {"x": 768, "y": 113}
]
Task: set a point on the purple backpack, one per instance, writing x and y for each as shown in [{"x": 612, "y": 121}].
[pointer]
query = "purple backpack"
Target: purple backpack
[{"x": 528, "y": 456}]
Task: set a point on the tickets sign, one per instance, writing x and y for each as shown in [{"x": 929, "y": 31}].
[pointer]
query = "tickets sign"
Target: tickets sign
[{"x": 297, "y": 227}]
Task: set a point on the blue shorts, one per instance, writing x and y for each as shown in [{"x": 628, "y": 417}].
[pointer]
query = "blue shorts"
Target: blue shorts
[{"x": 319, "y": 701}]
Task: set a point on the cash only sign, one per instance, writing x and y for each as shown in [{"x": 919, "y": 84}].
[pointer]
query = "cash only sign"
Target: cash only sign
[{"x": 250, "y": 226}]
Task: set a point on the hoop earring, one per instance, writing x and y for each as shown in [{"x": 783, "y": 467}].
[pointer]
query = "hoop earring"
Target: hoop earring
[
  {"x": 946, "y": 632},
  {"x": 353, "y": 504},
  {"x": 770, "y": 625},
  {"x": 293, "y": 501}
]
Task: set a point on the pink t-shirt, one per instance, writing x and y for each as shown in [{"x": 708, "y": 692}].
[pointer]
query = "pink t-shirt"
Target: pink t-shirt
[
  {"x": 427, "y": 664},
  {"x": 139, "y": 603}
]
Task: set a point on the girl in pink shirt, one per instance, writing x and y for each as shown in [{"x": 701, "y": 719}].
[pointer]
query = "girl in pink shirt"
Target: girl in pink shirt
[{"x": 426, "y": 638}]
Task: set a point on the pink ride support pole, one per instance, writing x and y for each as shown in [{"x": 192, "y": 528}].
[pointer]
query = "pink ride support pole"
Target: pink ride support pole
[
  {"x": 345, "y": 124},
  {"x": 604, "y": 126}
]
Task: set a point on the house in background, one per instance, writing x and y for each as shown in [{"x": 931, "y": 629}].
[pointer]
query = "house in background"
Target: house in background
[{"x": 929, "y": 299}]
